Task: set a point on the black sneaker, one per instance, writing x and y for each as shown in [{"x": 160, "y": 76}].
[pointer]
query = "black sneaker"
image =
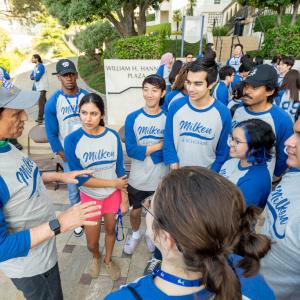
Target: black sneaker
[
  {"x": 152, "y": 264},
  {"x": 78, "y": 232}
]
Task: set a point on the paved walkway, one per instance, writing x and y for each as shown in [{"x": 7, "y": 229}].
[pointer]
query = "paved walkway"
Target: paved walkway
[{"x": 73, "y": 255}]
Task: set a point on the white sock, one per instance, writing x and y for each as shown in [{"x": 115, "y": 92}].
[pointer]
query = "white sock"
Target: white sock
[{"x": 136, "y": 234}]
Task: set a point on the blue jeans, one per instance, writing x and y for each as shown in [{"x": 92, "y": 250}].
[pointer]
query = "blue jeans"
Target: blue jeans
[{"x": 72, "y": 188}]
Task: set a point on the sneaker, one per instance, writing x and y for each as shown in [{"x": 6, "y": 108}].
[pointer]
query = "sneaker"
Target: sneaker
[
  {"x": 152, "y": 264},
  {"x": 95, "y": 267},
  {"x": 149, "y": 243},
  {"x": 113, "y": 270},
  {"x": 131, "y": 244},
  {"x": 78, "y": 232}
]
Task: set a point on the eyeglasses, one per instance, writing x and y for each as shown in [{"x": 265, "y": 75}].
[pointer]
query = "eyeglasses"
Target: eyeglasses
[{"x": 235, "y": 141}]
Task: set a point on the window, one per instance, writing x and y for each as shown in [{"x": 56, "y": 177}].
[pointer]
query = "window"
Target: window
[{"x": 217, "y": 1}]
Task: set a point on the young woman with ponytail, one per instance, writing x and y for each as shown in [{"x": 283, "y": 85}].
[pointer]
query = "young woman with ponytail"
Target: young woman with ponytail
[
  {"x": 199, "y": 220},
  {"x": 96, "y": 147}
]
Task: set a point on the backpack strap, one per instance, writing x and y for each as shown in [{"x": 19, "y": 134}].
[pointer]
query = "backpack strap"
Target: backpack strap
[{"x": 134, "y": 293}]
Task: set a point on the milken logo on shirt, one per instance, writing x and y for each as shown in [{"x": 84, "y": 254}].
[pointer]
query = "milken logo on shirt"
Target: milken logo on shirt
[
  {"x": 196, "y": 130},
  {"x": 278, "y": 206},
  {"x": 151, "y": 132}
]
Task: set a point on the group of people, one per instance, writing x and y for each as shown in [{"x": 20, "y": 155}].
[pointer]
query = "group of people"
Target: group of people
[{"x": 205, "y": 147}]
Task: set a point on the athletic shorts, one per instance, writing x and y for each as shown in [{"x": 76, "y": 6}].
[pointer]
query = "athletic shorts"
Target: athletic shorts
[
  {"x": 109, "y": 205},
  {"x": 136, "y": 197}
]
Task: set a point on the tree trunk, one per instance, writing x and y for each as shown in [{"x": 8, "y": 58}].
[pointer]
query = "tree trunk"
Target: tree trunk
[
  {"x": 141, "y": 20},
  {"x": 295, "y": 11},
  {"x": 280, "y": 12}
]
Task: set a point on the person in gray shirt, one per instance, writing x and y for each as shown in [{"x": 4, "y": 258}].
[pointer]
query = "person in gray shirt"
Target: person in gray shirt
[
  {"x": 28, "y": 224},
  {"x": 281, "y": 266}
]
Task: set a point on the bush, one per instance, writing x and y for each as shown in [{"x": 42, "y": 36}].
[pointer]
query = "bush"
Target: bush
[
  {"x": 163, "y": 29},
  {"x": 282, "y": 40},
  {"x": 4, "y": 40},
  {"x": 221, "y": 31},
  {"x": 94, "y": 36},
  {"x": 171, "y": 46},
  {"x": 12, "y": 60},
  {"x": 5, "y": 63},
  {"x": 150, "y": 17},
  {"x": 254, "y": 53},
  {"x": 139, "y": 47},
  {"x": 269, "y": 22}
]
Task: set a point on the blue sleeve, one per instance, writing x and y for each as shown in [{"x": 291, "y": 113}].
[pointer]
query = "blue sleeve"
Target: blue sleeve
[
  {"x": 160, "y": 71},
  {"x": 132, "y": 148},
  {"x": 279, "y": 96},
  {"x": 12, "y": 245},
  {"x": 5, "y": 74},
  {"x": 120, "y": 169},
  {"x": 70, "y": 144},
  {"x": 169, "y": 151},
  {"x": 167, "y": 100},
  {"x": 228, "y": 62},
  {"x": 222, "y": 150},
  {"x": 51, "y": 124},
  {"x": 222, "y": 94},
  {"x": 255, "y": 187},
  {"x": 40, "y": 72},
  {"x": 284, "y": 129}
]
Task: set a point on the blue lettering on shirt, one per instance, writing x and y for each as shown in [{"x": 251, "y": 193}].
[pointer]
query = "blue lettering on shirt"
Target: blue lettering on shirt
[
  {"x": 278, "y": 207},
  {"x": 196, "y": 130},
  {"x": 24, "y": 173}
]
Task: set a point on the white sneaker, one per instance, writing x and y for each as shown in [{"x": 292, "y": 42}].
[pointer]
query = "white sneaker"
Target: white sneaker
[
  {"x": 152, "y": 264},
  {"x": 131, "y": 244},
  {"x": 149, "y": 243},
  {"x": 78, "y": 232}
]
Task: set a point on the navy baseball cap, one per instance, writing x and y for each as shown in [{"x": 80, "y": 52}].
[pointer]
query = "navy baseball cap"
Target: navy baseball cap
[
  {"x": 13, "y": 97},
  {"x": 65, "y": 66},
  {"x": 262, "y": 75}
]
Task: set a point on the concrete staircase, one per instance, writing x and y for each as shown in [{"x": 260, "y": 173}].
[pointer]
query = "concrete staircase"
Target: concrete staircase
[{"x": 223, "y": 45}]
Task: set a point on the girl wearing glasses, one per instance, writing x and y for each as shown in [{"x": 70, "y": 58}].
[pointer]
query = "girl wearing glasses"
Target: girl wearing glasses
[
  {"x": 198, "y": 236},
  {"x": 96, "y": 147},
  {"x": 251, "y": 144}
]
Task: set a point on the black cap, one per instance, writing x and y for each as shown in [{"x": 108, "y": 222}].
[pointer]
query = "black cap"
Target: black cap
[
  {"x": 263, "y": 75},
  {"x": 65, "y": 66}
]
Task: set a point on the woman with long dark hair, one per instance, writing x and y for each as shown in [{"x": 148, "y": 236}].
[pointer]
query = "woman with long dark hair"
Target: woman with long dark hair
[
  {"x": 96, "y": 147},
  {"x": 198, "y": 219},
  {"x": 289, "y": 93}
]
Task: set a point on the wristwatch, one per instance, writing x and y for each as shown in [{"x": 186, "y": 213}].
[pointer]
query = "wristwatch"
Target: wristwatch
[{"x": 55, "y": 226}]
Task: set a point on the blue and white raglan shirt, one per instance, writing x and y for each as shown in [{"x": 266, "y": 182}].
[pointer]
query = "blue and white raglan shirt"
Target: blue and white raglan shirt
[
  {"x": 284, "y": 101},
  {"x": 254, "y": 288},
  {"x": 164, "y": 72},
  {"x": 234, "y": 62},
  {"x": 171, "y": 97},
  {"x": 236, "y": 79},
  {"x": 62, "y": 117},
  {"x": 4, "y": 73},
  {"x": 142, "y": 130},
  {"x": 281, "y": 266},
  {"x": 197, "y": 137},
  {"x": 282, "y": 126},
  {"x": 40, "y": 78},
  {"x": 24, "y": 204},
  {"x": 221, "y": 92},
  {"x": 254, "y": 181},
  {"x": 102, "y": 153}
]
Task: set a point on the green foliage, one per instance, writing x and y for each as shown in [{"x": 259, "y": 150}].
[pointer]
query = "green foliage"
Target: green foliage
[
  {"x": 150, "y": 17},
  {"x": 175, "y": 47},
  {"x": 269, "y": 22},
  {"x": 282, "y": 40},
  {"x": 4, "y": 40},
  {"x": 92, "y": 73},
  {"x": 140, "y": 47},
  {"x": 254, "y": 53},
  {"x": 272, "y": 4},
  {"x": 163, "y": 29},
  {"x": 221, "y": 31},
  {"x": 5, "y": 63},
  {"x": 94, "y": 36},
  {"x": 50, "y": 39}
]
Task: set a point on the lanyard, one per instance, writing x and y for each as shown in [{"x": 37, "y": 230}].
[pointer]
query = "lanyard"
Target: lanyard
[
  {"x": 3, "y": 143},
  {"x": 76, "y": 105},
  {"x": 174, "y": 279},
  {"x": 119, "y": 219}
]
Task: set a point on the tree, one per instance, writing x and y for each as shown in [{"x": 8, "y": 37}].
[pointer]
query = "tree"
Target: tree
[
  {"x": 4, "y": 40},
  {"x": 296, "y": 4},
  {"x": 190, "y": 7},
  {"x": 279, "y": 6},
  {"x": 177, "y": 17},
  {"x": 121, "y": 13}
]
